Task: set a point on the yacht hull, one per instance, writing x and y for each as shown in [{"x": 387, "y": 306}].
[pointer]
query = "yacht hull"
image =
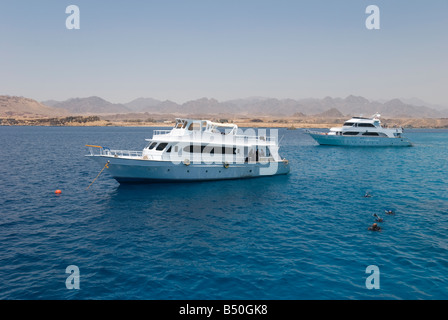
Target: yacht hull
[
  {"x": 126, "y": 170},
  {"x": 337, "y": 140}
]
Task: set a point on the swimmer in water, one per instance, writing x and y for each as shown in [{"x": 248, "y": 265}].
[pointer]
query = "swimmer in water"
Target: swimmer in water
[
  {"x": 389, "y": 212},
  {"x": 378, "y": 218},
  {"x": 367, "y": 195},
  {"x": 374, "y": 227}
]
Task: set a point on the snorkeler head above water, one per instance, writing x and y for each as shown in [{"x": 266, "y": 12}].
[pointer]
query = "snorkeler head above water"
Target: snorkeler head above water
[{"x": 374, "y": 227}]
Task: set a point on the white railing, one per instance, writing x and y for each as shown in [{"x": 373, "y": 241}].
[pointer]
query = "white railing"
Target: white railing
[
  {"x": 317, "y": 132},
  {"x": 123, "y": 153},
  {"x": 105, "y": 151},
  {"x": 161, "y": 132},
  {"x": 256, "y": 138}
]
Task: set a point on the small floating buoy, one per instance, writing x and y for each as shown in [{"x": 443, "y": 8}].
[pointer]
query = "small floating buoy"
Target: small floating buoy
[{"x": 58, "y": 191}]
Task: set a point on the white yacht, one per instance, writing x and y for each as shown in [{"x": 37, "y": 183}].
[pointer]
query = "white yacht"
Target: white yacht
[
  {"x": 359, "y": 131},
  {"x": 195, "y": 150}
]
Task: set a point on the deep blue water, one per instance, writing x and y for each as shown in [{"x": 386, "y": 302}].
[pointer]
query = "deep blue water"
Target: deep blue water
[{"x": 301, "y": 236}]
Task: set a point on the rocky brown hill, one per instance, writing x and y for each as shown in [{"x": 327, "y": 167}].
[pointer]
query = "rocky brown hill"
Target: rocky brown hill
[
  {"x": 11, "y": 106},
  {"x": 89, "y": 105},
  {"x": 330, "y": 113}
]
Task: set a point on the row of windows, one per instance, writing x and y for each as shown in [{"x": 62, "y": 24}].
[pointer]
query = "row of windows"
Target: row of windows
[
  {"x": 160, "y": 147},
  {"x": 370, "y": 134},
  {"x": 363, "y": 125},
  {"x": 209, "y": 149},
  {"x": 194, "y": 148},
  {"x": 354, "y": 133}
]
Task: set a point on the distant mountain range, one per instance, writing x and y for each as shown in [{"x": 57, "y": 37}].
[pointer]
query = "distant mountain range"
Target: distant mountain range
[{"x": 254, "y": 106}]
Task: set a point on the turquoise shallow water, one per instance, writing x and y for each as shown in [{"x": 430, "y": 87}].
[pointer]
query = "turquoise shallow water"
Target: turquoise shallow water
[{"x": 301, "y": 236}]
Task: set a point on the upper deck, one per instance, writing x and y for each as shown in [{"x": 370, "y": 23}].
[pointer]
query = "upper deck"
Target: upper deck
[
  {"x": 372, "y": 122},
  {"x": 205, "y": 131}
]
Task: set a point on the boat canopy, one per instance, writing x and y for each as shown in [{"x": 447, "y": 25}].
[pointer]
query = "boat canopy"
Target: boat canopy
[{"x": 204, "y": 125}]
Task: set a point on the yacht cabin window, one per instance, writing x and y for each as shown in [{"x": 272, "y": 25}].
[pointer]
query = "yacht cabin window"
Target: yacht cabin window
[
  {"x": 161, "y": 146},
  {"x": 194, "y": 126},
  {"x": 209, "y": 149},
  {"x": 366, "y": 125},
  {"x": 180, "y": 124},
  {"x": 370, "y": 134}
]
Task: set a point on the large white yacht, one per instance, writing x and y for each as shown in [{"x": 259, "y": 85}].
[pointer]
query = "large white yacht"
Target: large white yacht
[
  {"x": 359, "y": 131},
  {"x": 195, "y": 150}
]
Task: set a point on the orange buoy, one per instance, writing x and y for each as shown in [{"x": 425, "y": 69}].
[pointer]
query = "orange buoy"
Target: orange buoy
[{"x": 58, "y": 191}]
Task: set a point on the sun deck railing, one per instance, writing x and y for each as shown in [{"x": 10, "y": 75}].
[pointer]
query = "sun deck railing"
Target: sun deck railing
[
  {"x": 161, "y": 132},
  {"x": 256, "y": 138}
]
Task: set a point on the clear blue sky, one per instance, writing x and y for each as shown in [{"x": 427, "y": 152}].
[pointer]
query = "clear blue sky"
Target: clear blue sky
[{"x": 188, "y": 49}]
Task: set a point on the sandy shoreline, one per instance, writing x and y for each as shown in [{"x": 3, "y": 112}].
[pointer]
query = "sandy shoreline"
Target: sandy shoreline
[{"x": 292, "y": 123}]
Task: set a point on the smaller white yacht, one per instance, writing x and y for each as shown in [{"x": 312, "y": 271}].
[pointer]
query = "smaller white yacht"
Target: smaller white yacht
[{"x": 360, "y": 131}]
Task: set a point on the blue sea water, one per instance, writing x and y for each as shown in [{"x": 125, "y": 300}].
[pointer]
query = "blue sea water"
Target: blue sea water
[{"x": 294, "y": 237}]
